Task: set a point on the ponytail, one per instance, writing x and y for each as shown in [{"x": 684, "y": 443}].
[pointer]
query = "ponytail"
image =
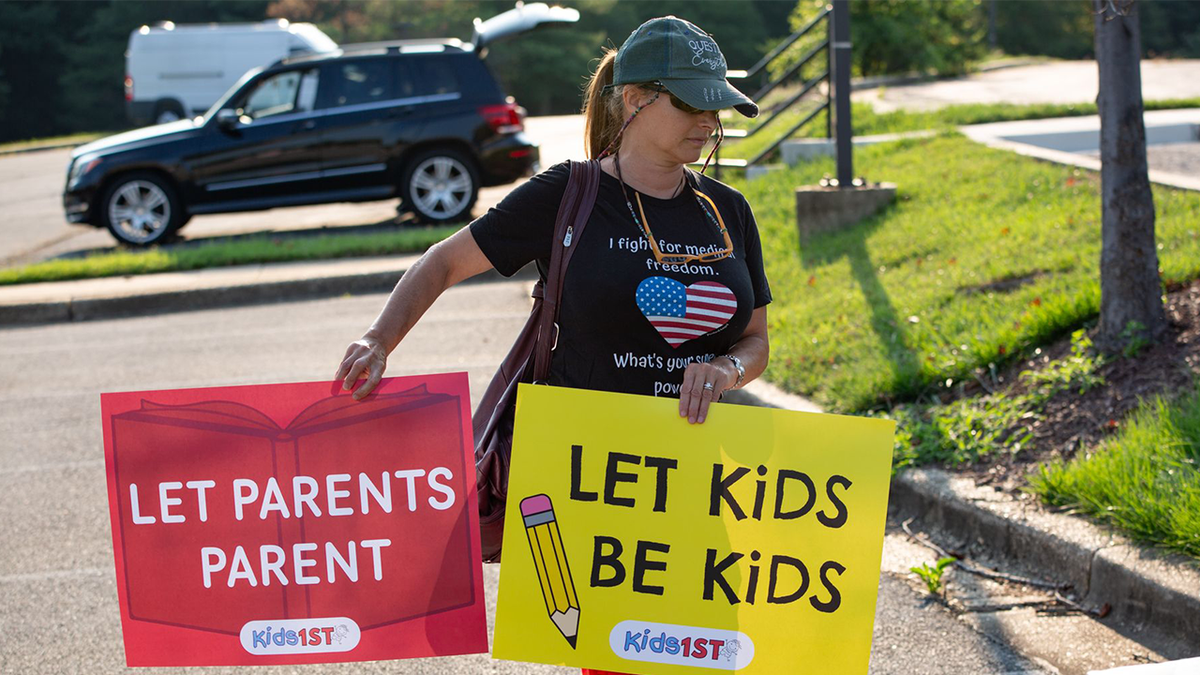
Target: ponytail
[{"x": 602, "y": 109}]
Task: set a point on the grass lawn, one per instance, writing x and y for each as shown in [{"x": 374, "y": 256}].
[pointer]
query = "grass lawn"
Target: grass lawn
[
  {"x": 1146, "y": 480},
  {"x": 33, "y": 144},
  {"x": 867, "y": 122},
  {"x": 222, "y": 254},
  {"x": 984, "y": 255}
]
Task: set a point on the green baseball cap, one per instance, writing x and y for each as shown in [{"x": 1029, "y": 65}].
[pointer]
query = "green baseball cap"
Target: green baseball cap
[{"x": 685, "y": 59}]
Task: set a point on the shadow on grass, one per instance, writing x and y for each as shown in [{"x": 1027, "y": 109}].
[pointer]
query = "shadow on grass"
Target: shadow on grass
[{"x": 851, "y": 243}]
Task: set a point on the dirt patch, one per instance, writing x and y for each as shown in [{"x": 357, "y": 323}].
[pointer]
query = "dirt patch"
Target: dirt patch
[{"x": 1071, "y": 421}]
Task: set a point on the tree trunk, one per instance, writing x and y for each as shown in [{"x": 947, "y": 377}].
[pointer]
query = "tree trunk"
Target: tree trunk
[{"x": 1130, "y": 290}]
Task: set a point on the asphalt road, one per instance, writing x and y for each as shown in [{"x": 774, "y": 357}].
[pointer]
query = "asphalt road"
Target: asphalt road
[
  {"x": 58, "y": 604},
  {"x": 33, "y": 228}
]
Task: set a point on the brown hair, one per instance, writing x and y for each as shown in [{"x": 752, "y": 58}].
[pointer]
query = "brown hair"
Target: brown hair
[{"x": 602, "y": 111}]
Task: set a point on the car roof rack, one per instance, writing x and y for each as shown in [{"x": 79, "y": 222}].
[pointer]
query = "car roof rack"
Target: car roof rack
[{"x": 416, "y": 46}]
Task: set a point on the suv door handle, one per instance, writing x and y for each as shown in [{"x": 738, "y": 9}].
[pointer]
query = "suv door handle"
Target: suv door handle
[
  {"x": 308, "y": 125},
  {"x": 402, "y": 111}
]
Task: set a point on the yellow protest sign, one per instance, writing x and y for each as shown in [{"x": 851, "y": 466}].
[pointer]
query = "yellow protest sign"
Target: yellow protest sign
[{"x": 639, "y": 543}]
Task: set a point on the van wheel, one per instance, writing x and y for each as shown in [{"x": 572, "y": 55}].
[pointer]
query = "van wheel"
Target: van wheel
[
  {"x": 168, "y": 111},
  {"x": 141, "y": 209},
  {"x": 440, "y": 186}
]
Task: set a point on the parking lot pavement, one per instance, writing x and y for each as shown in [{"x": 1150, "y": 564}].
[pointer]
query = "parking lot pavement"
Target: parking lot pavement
[{"x": 33, "y": 228}]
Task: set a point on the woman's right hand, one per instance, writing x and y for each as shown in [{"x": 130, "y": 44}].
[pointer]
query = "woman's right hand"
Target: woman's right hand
[{"x": 365, "y": 358}]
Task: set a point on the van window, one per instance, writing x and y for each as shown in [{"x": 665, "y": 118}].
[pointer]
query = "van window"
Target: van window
[
  {"x": 280, "y": 94},
  {"x": 361, "y": 82}
]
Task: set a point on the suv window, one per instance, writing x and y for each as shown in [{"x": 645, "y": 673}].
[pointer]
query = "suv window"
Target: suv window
[
  {"x": 406, "y": 79},
  {"x": 291, "y": 91},
  {"x": 361, "y": 82},
  {"x": 435, "y": 76}
]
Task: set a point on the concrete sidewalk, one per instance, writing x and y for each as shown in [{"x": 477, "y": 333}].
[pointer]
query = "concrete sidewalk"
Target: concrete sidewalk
[{"x": 1074, "y": 141}]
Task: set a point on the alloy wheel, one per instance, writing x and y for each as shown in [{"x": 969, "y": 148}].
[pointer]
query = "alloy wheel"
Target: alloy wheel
[
  {"x": 139, "y": 212},
  {"x": 441, "y": 187}
]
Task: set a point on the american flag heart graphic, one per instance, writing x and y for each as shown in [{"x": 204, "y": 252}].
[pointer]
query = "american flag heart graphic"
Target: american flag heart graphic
[{"x": 681, "y": 313}]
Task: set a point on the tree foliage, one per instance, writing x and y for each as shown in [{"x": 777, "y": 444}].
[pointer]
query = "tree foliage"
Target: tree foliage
[
  {"x": 62, "y": 63},
  {"x": 1063, "y": 28},
  {"x": 899, "y": 36}
]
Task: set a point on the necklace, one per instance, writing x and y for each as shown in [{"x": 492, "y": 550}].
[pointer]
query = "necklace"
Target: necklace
[{"x": 644, "y": 225}]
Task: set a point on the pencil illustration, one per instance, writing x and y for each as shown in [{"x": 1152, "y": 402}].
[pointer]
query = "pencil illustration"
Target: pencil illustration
[{"x": 550, "y": 560}]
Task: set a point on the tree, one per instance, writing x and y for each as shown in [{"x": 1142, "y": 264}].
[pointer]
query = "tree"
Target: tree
[
  {"x": 1130, "y": 290},
  {"x": 900, "y": 36}
]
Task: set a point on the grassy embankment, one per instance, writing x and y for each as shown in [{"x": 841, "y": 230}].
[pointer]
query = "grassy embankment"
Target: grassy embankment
[
  {"x": 1146, "y": 480},
  {"x": 984, "y": 257},
  {"x": 867, "y": 122},
  {"x": 223, "y": 254},
  {"x": 53, "y": 141}
]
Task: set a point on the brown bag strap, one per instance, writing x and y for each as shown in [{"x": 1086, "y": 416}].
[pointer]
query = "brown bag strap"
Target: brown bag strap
[{"x": 573, "y": 213}]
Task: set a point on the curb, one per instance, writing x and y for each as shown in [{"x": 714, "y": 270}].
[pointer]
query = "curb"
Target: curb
[
  {"x": 1142, "y": 586},
  {"x": 128, "y": 303},
  {"x": 78, "y": 309}
]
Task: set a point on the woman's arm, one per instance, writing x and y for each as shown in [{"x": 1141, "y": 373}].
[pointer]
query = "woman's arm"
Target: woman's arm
[
  {"x": 442, "y": 266},
  {"x": 752, "y": 349}
]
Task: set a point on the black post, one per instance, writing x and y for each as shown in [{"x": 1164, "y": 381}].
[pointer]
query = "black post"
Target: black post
[
  {"x": 841, "y": 91},
  {"x": 829, "y": 77}
]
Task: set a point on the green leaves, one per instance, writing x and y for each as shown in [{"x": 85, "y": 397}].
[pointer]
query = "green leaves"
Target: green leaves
[{"x": 932, "y": 576}]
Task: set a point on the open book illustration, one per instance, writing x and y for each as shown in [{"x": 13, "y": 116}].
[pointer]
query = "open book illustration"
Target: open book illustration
[{"x": 374, "y": 460}]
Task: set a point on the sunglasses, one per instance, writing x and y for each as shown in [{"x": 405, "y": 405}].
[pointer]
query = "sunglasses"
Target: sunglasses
[
  {"x": 682, "y": 259},
  {"x": 675, "y": 100}
]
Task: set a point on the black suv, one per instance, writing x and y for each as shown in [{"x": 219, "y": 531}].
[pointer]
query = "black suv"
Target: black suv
[{"x": 422, "y": 120}]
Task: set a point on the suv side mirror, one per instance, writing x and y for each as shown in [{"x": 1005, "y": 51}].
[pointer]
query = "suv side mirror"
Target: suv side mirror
[{"x": 227, "y": 120}]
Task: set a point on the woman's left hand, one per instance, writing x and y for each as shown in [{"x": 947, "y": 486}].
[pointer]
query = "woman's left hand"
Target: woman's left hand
[{"x": 695, "y": 397}]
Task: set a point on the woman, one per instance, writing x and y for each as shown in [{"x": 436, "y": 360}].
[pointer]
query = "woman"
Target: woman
[{"x": 665, "y": 295}]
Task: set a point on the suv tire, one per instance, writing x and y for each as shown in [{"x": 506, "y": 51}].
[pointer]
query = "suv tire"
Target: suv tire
[
  {"x": 168, "y": 110},
  {"x": 141, "y": 208},
  {"x": 440, "y": 186}
]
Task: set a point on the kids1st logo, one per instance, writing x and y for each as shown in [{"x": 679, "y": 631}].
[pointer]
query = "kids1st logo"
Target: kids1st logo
[
  {"x": 300, "y": 636},
  {"x": 681, "y": 645}
]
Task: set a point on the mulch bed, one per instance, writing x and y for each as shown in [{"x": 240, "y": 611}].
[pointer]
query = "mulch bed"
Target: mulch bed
[{"x": 1071, "y": 421}]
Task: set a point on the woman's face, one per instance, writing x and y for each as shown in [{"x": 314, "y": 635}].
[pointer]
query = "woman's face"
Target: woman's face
[{"x": 665, "y": 132}]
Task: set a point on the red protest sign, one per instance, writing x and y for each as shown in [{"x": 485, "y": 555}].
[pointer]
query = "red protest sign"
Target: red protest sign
[{"x": 285, "y": 524}]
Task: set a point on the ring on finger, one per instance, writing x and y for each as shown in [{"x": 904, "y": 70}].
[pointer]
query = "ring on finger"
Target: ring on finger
[{"x": 708, "y": 386}]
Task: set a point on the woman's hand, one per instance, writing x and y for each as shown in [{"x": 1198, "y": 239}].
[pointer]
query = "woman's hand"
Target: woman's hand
[
  {"x": 365, "y": 358},
  {"x": 695, "y": 397}
]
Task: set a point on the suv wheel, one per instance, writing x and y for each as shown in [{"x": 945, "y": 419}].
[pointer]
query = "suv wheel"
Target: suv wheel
[
  {"x": 141, "y": 209},
  {"x": 441, "y": 186},
  {"x": 168, "y": 111}
]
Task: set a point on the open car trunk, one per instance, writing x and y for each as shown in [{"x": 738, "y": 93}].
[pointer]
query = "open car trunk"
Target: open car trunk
[{"x": 521, "y": 19}]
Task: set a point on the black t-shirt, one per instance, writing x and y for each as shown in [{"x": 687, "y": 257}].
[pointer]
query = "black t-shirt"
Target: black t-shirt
[{"x": 628, "y": 323}]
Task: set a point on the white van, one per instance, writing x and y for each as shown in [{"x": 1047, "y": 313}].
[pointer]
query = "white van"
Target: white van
[{"x": 173, "y": 71}]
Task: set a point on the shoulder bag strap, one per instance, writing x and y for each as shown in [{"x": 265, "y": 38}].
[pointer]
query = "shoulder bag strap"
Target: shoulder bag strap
[{"x": 573, "y": 213}]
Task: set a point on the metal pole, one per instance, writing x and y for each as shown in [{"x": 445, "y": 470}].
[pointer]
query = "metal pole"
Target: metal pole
[
  {"x": 841, "y": 88},
  {"x": 828, "y": 76}
]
